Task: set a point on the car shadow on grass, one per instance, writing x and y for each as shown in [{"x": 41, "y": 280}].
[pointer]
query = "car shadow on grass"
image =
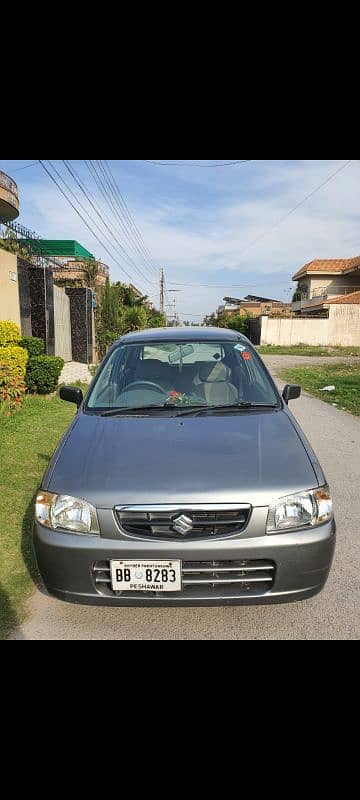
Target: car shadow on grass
[{"x": 8, "y": 615}]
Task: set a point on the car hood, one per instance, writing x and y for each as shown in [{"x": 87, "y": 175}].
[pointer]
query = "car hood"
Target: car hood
[{"x": 246, "y": 457}]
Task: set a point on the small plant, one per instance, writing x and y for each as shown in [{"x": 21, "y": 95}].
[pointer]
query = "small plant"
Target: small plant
[
  {"x": 9, "y": 333},
  {"x": 42, "y": 374},
  {"x": 12, "y": 390},
  {"x": 14, "y": 359},
  {"x": 33, "y": 345}
]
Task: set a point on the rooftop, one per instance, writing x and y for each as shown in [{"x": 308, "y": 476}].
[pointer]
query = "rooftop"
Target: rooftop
[
  {"x": 61, "y": 248},
  {"x": 337, "y": 266},
  {"x": 346, "y": 299}
]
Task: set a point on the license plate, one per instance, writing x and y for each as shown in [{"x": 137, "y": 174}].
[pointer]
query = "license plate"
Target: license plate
[{"x": 146, "y": 576}]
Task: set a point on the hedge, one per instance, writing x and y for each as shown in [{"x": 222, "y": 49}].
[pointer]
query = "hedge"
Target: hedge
[
  {"x": 9, "y": 333},
  {"x": 42, "y": 374},
  {"x": 14, "y": 359},
  {"x": 33, "y": 345}
]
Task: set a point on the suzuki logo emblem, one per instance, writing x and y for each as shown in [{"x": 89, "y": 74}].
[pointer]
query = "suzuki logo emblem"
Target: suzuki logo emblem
[{"x": 183, "y": 524}]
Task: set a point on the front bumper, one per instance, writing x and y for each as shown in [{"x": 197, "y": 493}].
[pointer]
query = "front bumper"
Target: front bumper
[{"x": 302, "y": 563}]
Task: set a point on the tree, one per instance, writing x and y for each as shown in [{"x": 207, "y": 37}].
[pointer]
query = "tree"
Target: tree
[
  {"x": 90, "y": 268},
  {"x": 133, "y": 318},
  {"x": 238, "y": 323},
  {"x": 122, "y": 311},
  {"x": 127, "y": 296},
  {"x": 211, "y": 320},
  {"x": 156, "y": 319},
  {"x": 109, "y": 308}
]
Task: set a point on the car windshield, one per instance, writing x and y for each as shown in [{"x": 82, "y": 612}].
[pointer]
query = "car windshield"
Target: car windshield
[{"x": 181, "y": 374}]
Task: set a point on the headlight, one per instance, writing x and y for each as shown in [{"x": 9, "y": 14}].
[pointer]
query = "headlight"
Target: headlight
[
  {"x": 61, "y": 511},
  {"x": 302, "y": 510}
]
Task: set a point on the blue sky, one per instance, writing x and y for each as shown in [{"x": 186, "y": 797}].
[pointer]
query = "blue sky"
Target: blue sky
[{"x": 217, "y": 226}]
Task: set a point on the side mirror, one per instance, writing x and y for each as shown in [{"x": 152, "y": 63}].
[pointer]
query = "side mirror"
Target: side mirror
[
  {"x": 291, "y": 392},
  {"x": 72, "y": 394}
]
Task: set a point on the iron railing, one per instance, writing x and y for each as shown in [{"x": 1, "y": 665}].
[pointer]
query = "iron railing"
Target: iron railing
[
  {"x": 320, "y": 296},
  {"x": 8, "y": 184}
]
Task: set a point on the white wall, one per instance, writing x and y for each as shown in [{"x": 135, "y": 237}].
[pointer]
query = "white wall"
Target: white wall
[
  {"x": 9, "y": 289},
  {"x": 62, "y": 324},
  {"x": 341, "y": 329},
  {"x": 345, "y": 324}
]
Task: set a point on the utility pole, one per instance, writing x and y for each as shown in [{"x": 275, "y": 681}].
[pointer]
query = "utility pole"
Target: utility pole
[
  {"x": 176, "y": 316},
  {"x": 162, "y": 282}
]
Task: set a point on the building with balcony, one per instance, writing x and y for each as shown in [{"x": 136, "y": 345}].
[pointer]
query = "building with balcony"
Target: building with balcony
[
  {"x": 322, "y": 281},
  {"x": 9, "y": 199}
]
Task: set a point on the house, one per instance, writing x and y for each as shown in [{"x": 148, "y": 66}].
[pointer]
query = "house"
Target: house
[
  {"x": 321, "y": 281},
  {"x": 45, "y": 284},
  {"x": 139, "y": 294},
  {"x": 9, "y": 198},
  {"x": 337, "y": 326},
  {"x": 253, "y": 306},
  {"x": 72, "y": 264}
]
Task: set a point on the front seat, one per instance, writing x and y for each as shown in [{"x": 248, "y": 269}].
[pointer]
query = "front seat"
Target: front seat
[{"x": 213, "y": 384}]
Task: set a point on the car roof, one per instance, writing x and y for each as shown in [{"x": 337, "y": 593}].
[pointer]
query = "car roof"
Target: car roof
[{"x": 181, "y": 334}]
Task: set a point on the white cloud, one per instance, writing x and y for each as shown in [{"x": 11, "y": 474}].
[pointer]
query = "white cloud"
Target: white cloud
[{"x": 197, "y": 238}]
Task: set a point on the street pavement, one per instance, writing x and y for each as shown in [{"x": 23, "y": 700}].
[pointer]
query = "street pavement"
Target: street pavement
[
  {"x": 334, "y": 614},
  {"x": 73, "y": 371}
]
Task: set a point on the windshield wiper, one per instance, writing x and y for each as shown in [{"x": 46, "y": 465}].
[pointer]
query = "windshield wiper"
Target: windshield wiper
[
  {"x": 230, "y": 407},
  {"x": 123, "y": 410}
]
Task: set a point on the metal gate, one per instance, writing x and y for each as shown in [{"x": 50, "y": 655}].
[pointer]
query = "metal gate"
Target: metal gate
[{"x": 253, "y": 330}]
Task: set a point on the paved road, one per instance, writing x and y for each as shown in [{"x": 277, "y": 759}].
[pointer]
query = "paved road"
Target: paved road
[
  {"x": 334, "y": 614},
  {"x": 73, "y": 371}
]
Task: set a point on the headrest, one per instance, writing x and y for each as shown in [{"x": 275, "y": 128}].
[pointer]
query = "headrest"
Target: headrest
[{"x": 214, "y": 373}]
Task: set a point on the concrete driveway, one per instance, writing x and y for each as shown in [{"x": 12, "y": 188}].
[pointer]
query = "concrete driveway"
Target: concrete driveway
[{"x": 334, "y": 614}]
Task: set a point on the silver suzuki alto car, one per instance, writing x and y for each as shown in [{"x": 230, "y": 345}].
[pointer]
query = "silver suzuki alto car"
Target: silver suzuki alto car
[{"x": 183, "y": 479}]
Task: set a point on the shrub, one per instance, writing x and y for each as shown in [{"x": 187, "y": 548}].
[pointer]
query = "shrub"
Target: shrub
[
  {"x": 9, "y": 332},
  {"x": 12, "y": 390},
  {"x": 33, "y": 345},
  {"x": 238, "y": 323},
  {"x": 42, "y": 374},
  {"x": 14, "y": 359}
]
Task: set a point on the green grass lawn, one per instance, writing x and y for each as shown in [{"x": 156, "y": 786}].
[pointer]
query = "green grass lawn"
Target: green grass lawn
[
  {"x": 27, "y": 440},
  {"x": 345, "y": 378},
  {"x": 307, "y": 350}
]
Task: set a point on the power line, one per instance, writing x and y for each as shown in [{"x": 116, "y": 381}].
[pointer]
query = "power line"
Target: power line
[
  {"x": 105, "y": 193},
  {"x": 198, "y": 166},
  {"x": 79, "y": 183},
  {"x": 129, "y": 259},
  {"x": 226, "y": 286},
  {"x": 120, "y": 213},
  {"x": 134, "y": 233},
  {"x": 129, "y": 215},
  {"x": 292, "y": 211},
  {"x": 33, "y": 164},
  {"x": 83, "y": 220}
]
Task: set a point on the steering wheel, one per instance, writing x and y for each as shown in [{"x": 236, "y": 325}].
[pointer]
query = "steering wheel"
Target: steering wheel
[{"x": 147, "y": 385}]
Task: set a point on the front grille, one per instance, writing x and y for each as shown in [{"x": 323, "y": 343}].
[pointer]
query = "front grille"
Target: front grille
[
  {"x": 195, "y": 522},
  {"x": 202, "y": 579}
]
